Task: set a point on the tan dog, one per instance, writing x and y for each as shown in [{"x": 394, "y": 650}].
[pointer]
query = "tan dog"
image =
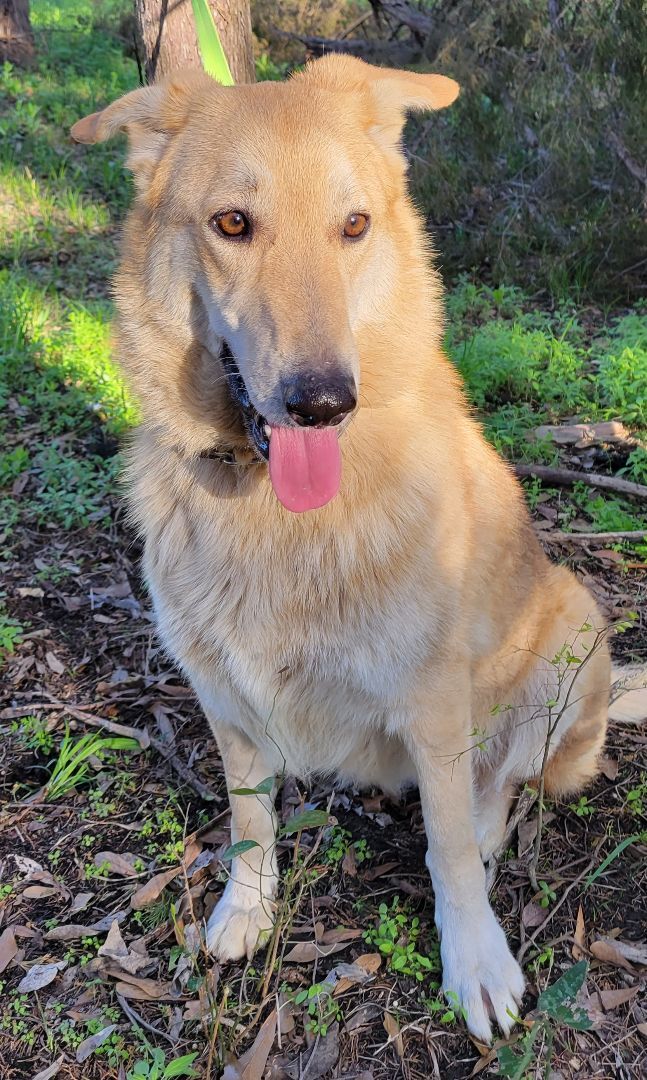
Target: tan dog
[{"x": 276, "y": 298}]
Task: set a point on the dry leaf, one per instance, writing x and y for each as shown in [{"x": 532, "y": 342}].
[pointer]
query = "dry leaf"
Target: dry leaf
[
  {"x": 347, "y": 975},
  {"x": 526, "y": 833},
  {"x": 40, "y": 975},
  {"x": 379, "y": 871},
  {"x": 251, "y": 1065},
  {"x": 51, "y": 1070},
  {"x": 54, "y": 664},
  {"x": 152, "y": 890},
  {"x": 533, "y": 914},
  {"x": 634, "y": 951},
  {"x": 8, "y": 947},
  {"x": 393, "y": 1031},
  {"x": 80, "y": 902},
  {"x": 580, "y": 943},
  {"x": 609, "y": 767},
  {"x": 144, "y": 989},
  {"x": 642, "y": 1028},
  {"x": 342, "y": 933},
  {"x": 93, "y": 1042},
  {"x": 307, "y": 951},
  {"x": 349, "y": 862},
  {"x": 607, "y": 952},
  {"x": 38, "y": 892},
  {"x": 123, "y": 865},
  {"x": 70, "y": 932},
  {"x": 149, "y": 893},
  {"x": 115, "y": 948},
  {"x": 611, "y": 999},
  {"x": 370, "y": 961}
]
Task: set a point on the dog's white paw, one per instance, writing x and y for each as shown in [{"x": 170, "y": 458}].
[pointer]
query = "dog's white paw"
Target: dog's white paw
[
  {"x": 238, "y": 923},
  {"x": 480, "y": 970}
]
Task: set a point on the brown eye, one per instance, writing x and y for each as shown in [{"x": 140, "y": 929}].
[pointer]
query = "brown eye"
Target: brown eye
[
  {"x": 233, "y": 224},
  {"x": 355, "y": 225}
]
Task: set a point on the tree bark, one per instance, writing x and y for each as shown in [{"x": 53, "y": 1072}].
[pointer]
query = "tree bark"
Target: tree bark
[
  {"x": 16, "y": 38},
  {"x": 168, "y": 39}
]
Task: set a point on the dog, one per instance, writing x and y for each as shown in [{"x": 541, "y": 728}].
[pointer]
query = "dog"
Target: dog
[{"x": 340, "y": 564}]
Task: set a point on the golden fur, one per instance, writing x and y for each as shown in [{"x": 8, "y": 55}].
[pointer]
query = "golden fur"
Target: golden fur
[{"x": 378, "y": 639}]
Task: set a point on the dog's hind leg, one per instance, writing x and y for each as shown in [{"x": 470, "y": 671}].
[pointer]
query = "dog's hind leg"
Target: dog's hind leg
[
  {"x": 245, "y": 912},
  {"x": 492, "y": 808}
]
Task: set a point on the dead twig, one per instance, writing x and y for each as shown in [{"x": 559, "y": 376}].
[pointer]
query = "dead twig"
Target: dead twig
[
  {"x": 592, "y": 537},
  {"x": 566, "y": 477},
  {"x": 139, "y": 1021}
]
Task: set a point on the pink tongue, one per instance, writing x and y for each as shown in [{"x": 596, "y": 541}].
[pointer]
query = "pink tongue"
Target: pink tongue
[{"x": 305, "y": 466}]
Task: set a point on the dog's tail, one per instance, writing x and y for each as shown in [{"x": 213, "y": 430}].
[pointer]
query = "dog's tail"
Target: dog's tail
[{"x": 628, "y": 701}]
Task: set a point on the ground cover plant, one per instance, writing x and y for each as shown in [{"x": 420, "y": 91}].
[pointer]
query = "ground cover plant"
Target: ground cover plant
[{"x": 113, "y": 811}]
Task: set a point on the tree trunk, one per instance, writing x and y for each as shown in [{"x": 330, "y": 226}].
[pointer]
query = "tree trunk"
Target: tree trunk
[
  {"x": 16, "y": 38},
  {"x": 168, "y": 39}
]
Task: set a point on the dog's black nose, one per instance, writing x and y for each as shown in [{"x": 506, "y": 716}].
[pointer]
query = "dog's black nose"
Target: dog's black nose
[{"x": 314, "y": 402}]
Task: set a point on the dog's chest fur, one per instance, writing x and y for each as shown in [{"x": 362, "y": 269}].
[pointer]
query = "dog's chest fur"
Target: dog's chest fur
[{"x": 287, "y": 633}]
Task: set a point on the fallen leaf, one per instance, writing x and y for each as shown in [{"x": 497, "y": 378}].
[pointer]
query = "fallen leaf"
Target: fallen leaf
[
  {"x": 40, "y": 975},
  {"x": 307, "y": 951},
  {"x": 349, "y": 862},
  {"x": 8, "y": 947},
  {"x": 123, "y": 865},
  {"x": 609, "y": 954},
  {"x": 362, "y": 1016},
  {"x": 347, "y": 975},
  {"x": 392, "y": 1028},
  {"x": 342, "y": 933},
  {"x": 38, "y": 892},
  {"x": 526, "y": 833},
  {"x": 34, "y": 593},
  {"x": 251, "y": 1065},
  {"x": 54, "y": 664},
  {"x": 370, "y": 961},
  {"x": 115, "y": 948},
  {"x": 152, "y": 890},
  {"x": 579, "y": 943},
  {"x": 51, "y": 1070},
  {"x": 609, "y": 767},
  {"x": 533, "y": 914},
  {"x": 642, "y": 1028},
  {"x": 149, "y": 893},
  {"x": 634, "y": 951},
  {"x": 80, "y": 902},
  {"x": 611, "y": 999},
  {"x": 608, "y": 555},
  {"x": 380, "y": 871},
  {"x": 144, "y": 990},
  {"x": 26, "y": 867},
  {"x": 93, "y": 1042}
]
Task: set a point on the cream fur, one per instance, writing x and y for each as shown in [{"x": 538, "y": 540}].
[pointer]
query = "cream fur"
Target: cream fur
[{"x": 371, "y": 640}]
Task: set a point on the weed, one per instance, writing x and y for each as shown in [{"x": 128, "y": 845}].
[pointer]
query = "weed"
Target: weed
[
  {"x": 556, "y": 1005},
  {"x": 396, "y": 936},
  {"x": 583, "y": 807},
  {"x": 165, "y": 834},
  {"x": 636, "y": 798},
  {"x": 72, "y": 766},
  {"x": 547, "y": 896},
  {"x": 340, "y": 841},
  {"x": 156, "y": 1067},
  {"x": 11, "y": 633},
  {"x": 321, "y": 1007},
  {"x": 32, "y": 733}
]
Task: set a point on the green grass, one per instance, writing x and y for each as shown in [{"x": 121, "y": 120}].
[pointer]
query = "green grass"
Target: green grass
[{"x": 59, "y": 218}]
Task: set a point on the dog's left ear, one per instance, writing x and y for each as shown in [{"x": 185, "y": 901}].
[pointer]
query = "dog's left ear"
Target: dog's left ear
[{"x": 390, "y": 93}]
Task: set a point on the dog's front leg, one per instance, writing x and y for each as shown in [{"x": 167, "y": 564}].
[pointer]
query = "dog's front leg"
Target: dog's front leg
[
  {"x": 246, "y": 909},
  {"x": 477, "y": 963}
]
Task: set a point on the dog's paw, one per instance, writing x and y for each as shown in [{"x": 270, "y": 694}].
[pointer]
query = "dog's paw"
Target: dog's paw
[
  {"x": 480, "y": 970},
  {"x": 240, "y": 923}
]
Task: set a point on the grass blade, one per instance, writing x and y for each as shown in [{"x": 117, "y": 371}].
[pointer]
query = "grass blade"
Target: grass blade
[
  {"x": 618, "y": 849},
  {"x": 213, "y": 55}
]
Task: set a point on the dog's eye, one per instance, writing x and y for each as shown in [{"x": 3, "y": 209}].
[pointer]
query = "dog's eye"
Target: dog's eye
[
  {"x": 355, "y": 225},
  {"x": 233, "y": 224}
]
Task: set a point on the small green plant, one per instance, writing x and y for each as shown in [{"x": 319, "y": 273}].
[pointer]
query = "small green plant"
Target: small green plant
[
  {"x": 321, "y": 1007},
  {"x": 556, "y": 1005},
  {"x": 445, "y": 1007},
  {"x": 72, "y": 766},
  {"x": 165, "y": 834},
  {"x": 583, "y": 807},
  {"x": 11, "y": 634},
  {"x": 396, "y": 937},
  {"x": 340, "y": 841},
  {"x": 32, "y": 733},
  {"x": 156, "y": 1067},
  {"x": 636, "y": 798},
  {"x": 547, "y": 896}
]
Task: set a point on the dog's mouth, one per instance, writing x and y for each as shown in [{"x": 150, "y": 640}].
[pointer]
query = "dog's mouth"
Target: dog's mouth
[
  {"x": 256, "y": 426},
  {"x": 305, "y": 462}
]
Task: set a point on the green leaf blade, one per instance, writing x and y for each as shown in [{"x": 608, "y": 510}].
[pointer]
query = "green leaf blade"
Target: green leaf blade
[{"x": 213, "y": 55}]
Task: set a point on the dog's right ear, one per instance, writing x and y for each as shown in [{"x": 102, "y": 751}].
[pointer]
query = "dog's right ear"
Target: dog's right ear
[{"x": 150, "y": 117}]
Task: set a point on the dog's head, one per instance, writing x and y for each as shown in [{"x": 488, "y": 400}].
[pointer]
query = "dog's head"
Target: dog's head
[{"x": 266, "y": 226}]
